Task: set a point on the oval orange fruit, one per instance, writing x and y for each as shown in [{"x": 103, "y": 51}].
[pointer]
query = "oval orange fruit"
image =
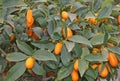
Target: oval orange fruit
[
  {"x": 76, "y": 65},
  {"x": 69, "y": 33},
  {"x": 29, "y": 63},
  {"x": 112, "y": 59},
  {"x": 103, "y": 73},
  {"x": 64, "y": 15},
  {"x": 74, "y": 75},
  {"x": 58, "y": 48}
]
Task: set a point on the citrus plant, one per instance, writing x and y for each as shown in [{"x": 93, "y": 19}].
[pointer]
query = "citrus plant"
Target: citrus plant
[{"x": 59, "y": 40}]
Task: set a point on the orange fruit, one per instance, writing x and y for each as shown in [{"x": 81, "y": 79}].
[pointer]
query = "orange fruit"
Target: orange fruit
[
  {"x": 64, "y": 15},
  {"x": 29, "y": 63},
  {"x": 112, "y": 59},
  {"x": 12, "y": 37},
  {"x": 92, "y": 20},
  {"x": 29, "y": 18},
  {"x": 103, "y": 73},
  {"x": 35, "y": 36},
  {"x": 94, "y": 66},
  {"x": 58, "y": 48},
  {"x": 74, "y": 75},
  {"x": 69, "y": 33},
  {"x": 104, "y": 20},
  {"x": 30, "y": 32},
  {"x": 119, "y": 20},
  {"x": 110, "y": 44},
  {"x": 95, "y": 50},
  {"x": 76, "y": 65}
]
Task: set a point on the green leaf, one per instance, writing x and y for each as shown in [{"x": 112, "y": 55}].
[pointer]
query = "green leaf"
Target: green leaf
[
  {"x": 16, "y": 56},
  {"x": 78, "y": 49},
  {"x": 24, "y": 47},
  {"x": 3, "y": 64},
  {"x": 97, "y": 4},
  {"x": 82, "y": 66},
  {"x": 95, "y": 57},
  {"x": 106, "y": 3},
  {"x": 92, "y": 73},
  {"x": 51, "y": 64},
  {"x": 80, "y": 39},
  {"x": 65, "y": 56},
  {"x": 12, "y": 3},
  {"x": 15, "y": 72},
  {"x": 44, "y": 55},
  {"x": 64, "y": 71},
  {"x": 98, "y": 39},
  {"x": 38, "y": 69},
  {"x": 69, "y": 45},
  {"x": 85, "y": 51},
  {"x": 105, "y": 12},
  {"x": 114, "y": 49},
  {"x": 43, "y": 44}
]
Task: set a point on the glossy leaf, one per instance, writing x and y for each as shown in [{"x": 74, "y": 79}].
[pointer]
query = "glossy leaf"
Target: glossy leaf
[
  {"x": 38, "y": 69},
  {"x": 98, "y": 39},
  {"x": 82, "y": 66},
  {"x": 95, "y": 57},
  {"x": 69, "y": 45},
  {"x": 44, "y": 55},
  {"x": 80, "y": 39},
  {"x": 24, "y": 47},
  {"x": 65, "y": 56},
  {"x": 16, "y": 56},
  {"x": 114, "y": 49},
  {"x": 64, "y": 71},
  {"x": 105, "y": 12},
  {"x": 15, "y": 72}
]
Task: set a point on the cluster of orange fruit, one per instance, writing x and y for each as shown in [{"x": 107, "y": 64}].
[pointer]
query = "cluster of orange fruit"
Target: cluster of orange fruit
[
  {"x": 112, "y": 60},
  {"x": 69, "y": 33}
]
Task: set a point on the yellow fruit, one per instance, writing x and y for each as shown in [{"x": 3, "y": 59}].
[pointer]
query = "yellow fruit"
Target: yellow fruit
[
  {"x": 103, "y": 73},
  {"x": 69, "y": 33},
  {"x": 64, "y": 15},
  {"x": 76, "y": 65},
  {"x": 58, "y": 48},
  {"x": 29, "y": 63},
  {"x": 74, "y": 75},
  {"x": 112, "y": 59}
]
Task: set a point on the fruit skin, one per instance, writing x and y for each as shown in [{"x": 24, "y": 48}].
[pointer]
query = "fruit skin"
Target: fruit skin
[
  {"x": 74, "y": 75},
  {"x": 64, "y": 15},
  {"x": 118, "y": 19},
  {"x": 104, "y": 72},
  {"x": 112, "y": 59},
  {"x": 30, "y": 32},
  {"x": 93, "y": 21},
  {"x": 76, "y": 65},
  {"x": 58, "y": 48},
  {"x": 94, "y": 66},
  {"x": 29, "y": 18},
  {"x": 110, "y": 44},
  {"x": 69, "y": 33},
  {"x": 29, "y": 63},
  {"x": 35, "y": 36}
]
